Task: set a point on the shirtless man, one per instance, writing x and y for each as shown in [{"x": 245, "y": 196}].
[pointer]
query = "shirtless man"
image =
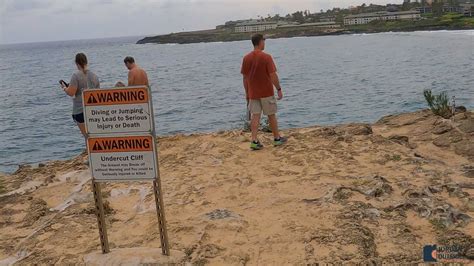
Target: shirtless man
[{"x": 136, "y": 75}]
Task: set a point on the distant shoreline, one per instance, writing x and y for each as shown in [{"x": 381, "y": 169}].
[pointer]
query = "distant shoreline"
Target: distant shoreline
[{"x": 208, "y": 36}]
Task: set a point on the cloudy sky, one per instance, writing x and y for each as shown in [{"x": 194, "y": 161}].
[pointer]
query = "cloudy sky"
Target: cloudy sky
[{"x": 50, "y": 20}]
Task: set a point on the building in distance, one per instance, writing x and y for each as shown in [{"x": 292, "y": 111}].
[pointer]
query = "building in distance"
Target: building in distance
[{"x": 366, "y": 18}]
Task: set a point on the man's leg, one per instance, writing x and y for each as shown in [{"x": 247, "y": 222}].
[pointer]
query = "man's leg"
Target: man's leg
[
  {"x": 254, "y": 125},
  {"x": 274, "y": 125}
]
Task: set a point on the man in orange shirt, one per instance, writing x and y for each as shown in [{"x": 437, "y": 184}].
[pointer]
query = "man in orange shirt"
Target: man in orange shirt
[
  {"x": 259, "y": 77},
  {"x": 136, "y": 75}
]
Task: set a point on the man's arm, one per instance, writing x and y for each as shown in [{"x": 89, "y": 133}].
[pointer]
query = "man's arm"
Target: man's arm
[
  {"x": 275, "y": 80},
  {"x": 276, "y": 83}
]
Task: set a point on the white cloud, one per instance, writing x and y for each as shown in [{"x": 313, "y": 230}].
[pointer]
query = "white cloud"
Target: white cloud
[{"x": 45, "y": 20}]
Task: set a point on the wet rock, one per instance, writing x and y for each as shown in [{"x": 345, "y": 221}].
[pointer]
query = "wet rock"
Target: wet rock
[
  {"x": 442, "y": 128},
  {"x": 464, "y": 148}
]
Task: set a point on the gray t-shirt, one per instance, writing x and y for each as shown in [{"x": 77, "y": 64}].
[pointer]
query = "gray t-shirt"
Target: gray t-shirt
[{"x": 82, "y": 81}]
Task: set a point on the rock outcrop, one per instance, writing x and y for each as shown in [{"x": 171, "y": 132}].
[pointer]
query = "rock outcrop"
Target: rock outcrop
[{"x": 355, "y": 193}]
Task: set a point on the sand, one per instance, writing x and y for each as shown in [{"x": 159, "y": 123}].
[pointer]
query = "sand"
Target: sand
[{"x": 347, "y": 193}]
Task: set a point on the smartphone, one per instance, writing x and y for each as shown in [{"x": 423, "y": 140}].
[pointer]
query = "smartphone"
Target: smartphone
[{"x": 63, "y": 83}]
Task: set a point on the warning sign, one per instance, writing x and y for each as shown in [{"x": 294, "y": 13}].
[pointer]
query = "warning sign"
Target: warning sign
[
  {"x": 122, "y": 158},
  {"x": 118, "y": 110},
  {"x": 116, "y": 96}
]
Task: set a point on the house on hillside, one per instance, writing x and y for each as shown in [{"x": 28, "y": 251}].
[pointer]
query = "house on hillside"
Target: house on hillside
[
  {"x": 255, "y": 26},
  {"x": 365, "y": 18}
]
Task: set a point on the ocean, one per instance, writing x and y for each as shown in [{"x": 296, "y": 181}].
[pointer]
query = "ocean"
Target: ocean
[{"x": 198, "y": 87}]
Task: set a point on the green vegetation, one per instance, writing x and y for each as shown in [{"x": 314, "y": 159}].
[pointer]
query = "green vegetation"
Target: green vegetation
[{"x": 439, "y": 104}]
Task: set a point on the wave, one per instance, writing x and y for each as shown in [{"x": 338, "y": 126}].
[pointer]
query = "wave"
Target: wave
[{"x": 458, "y": 32}]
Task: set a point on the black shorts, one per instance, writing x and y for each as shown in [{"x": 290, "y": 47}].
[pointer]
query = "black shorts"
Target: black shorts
[{"x": 79, "y": 118}]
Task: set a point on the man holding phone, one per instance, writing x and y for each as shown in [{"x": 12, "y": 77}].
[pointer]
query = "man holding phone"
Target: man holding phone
[{"x": 259, "y": 80}]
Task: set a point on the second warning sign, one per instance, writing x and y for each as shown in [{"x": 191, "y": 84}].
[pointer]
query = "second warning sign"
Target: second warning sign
[
  {"x": 118, "y": 110},
  {"x": 122, "y": 158}
]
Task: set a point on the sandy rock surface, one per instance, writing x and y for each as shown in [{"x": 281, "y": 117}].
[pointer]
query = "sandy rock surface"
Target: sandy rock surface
[{"x": 349, "y": 193}]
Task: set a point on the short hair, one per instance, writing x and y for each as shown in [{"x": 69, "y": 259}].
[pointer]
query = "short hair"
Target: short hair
[
  {"x": 81, "y": 59},
  {"x": 257, "y": 38},
  {"x": 129, "y": 60}
]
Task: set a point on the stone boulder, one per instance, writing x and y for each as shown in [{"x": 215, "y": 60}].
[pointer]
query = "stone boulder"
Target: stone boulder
[
  {"x": 464, "y": 148},
  {"x": 467, "y": 125},
  {"x": 356, "y": 129}
]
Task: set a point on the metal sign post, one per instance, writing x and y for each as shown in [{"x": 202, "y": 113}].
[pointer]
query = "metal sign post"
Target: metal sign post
[
  {"x": 121, "y": 145},
  {"x": 99, "y": 210}
]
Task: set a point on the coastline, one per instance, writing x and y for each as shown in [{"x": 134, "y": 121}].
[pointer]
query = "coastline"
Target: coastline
[
  {"x": 343, "y": 193},
  {"x": 226, "y": 36}
]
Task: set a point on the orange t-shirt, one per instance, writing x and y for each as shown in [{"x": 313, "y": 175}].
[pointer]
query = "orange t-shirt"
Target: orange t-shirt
[{"x": 257, "y": 67}]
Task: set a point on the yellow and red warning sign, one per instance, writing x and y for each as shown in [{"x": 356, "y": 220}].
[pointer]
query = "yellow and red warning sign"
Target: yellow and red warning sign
[
  {"x": 120, "y": 144},
  {"x": 116, "y": 96},
  {"x": 116, "y": 158},
  {"x": 118, "y": 110}
]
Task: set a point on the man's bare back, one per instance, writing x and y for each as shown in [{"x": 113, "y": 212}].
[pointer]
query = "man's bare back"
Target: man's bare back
[{"x": 137, "y": 77}]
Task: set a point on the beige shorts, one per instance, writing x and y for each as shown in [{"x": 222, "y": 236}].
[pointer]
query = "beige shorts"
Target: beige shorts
[{"x": 268, "y": 105}]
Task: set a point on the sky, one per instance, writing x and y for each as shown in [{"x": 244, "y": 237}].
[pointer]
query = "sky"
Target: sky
[{"x": 53, "y": 20}]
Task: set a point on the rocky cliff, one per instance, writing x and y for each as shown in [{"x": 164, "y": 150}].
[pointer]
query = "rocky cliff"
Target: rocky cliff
[{"x": 348, "y": 193}]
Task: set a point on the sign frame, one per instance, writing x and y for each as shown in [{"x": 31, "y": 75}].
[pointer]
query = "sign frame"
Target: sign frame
[{"x": 157, "y": 189}]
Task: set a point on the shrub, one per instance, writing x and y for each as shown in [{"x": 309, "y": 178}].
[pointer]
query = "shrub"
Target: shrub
[{"x": 439, "y": 104}]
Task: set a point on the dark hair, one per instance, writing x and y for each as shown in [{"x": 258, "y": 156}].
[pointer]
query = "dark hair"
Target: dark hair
[
  {"x": 129, "y": 60},
  {"x": 257, "y": 38},
  {"x": 81, "y": 59}
]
